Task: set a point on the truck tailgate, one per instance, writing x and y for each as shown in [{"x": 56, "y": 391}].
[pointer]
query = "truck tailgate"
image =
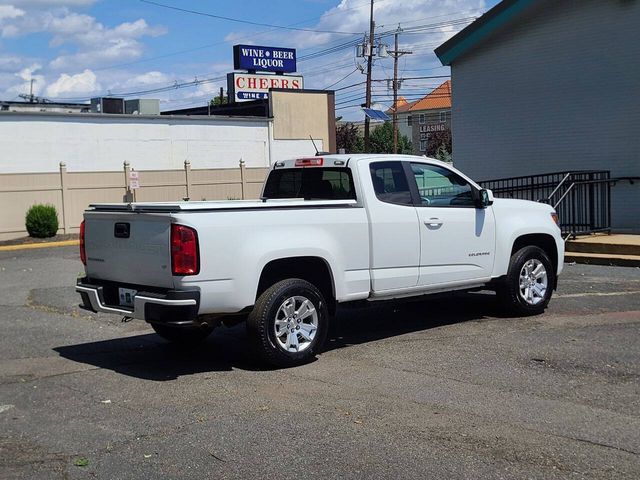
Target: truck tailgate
[{"x": 129, "y": 247}]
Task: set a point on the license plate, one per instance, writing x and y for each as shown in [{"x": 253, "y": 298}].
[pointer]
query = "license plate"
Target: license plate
[{"x": 126, "y": 296}]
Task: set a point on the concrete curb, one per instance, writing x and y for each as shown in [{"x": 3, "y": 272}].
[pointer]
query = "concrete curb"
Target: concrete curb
[
  {"x": 603, "y": 259},
  {"x": 31, "y": 246}
]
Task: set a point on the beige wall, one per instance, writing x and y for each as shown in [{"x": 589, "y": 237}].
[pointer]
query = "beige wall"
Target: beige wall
[
  {"x": 296, "y": 115},
  {"x": 71, "y": 192}
]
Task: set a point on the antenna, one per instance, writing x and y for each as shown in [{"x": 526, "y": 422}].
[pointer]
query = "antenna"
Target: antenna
[
  {"x": 314, "y": 145},
  {"x": 318, "y": 152}
]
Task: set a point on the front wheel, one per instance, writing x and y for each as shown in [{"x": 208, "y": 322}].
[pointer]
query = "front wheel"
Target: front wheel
[
  {"x": 289, "y": 322},
  {"x": 528, "y": 286}
]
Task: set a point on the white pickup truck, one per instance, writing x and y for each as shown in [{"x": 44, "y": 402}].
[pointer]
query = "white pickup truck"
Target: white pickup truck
[{"x": 327, "y": 230}]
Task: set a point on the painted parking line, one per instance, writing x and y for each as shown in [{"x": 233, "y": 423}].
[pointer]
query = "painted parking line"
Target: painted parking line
[
  {"x": 596, "y": 294},
  {"x": 30, "y": 246}
]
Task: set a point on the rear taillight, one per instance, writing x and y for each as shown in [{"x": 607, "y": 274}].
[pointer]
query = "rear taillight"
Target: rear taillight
[
  {"x": 83, "y": 253},
  {"x": 184, "y": 250}
]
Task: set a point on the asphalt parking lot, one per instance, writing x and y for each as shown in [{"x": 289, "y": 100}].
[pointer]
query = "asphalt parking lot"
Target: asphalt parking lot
[{"x": 442, "y": 388}]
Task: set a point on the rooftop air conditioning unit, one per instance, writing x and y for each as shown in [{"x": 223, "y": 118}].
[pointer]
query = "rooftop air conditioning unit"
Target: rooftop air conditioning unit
[
  {"x": 142, "y": 106},
  {"x": 107, "y": 105}
]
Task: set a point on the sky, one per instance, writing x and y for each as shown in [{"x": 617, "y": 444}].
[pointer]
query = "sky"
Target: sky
[{"x": 78, "y": 49}]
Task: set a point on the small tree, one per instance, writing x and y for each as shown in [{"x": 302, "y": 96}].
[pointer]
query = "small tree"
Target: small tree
[
  {"x": 439, "y": 142},
  {"x": 349, "y": 138},
  {"x": 42, "y": 221},
  {"x": 381, "y": 140},
  {"x": 443, "y": 155},
  {"x": 215, "y": 101}
]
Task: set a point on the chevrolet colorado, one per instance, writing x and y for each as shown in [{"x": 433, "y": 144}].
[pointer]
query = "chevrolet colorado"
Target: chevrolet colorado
[{"x": 327, "y": 230}]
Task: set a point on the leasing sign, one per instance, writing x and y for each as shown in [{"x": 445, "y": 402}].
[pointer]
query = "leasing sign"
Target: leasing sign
[
  {"x": 248, "y": 86},
  {"x": 264, "y": 59}
]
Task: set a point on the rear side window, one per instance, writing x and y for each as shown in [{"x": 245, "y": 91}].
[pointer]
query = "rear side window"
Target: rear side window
[
  {"x": 390, "y": 182},
  {"x": 311, "y": 184}
]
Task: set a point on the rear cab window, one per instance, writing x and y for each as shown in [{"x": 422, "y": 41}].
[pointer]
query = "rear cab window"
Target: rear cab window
[
  {"x": 311, "y": 183},
  {"x": 390, "y": 182}
]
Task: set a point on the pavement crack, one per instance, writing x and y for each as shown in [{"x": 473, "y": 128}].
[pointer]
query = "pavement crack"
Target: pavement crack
[
  {"x": 54, "y": 375},
  {"x": 584, "y": 440}
]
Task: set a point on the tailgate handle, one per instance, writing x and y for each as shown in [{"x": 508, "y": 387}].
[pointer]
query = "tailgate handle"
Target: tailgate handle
[{"x": 121, "y": 230}]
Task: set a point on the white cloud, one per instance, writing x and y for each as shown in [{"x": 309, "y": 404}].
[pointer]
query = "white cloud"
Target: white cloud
[
  {"x": 9, "y": 11},
  {"x": 94, "y": 43},
  {"x": 98, "y": 45},
  {"x": 25, "y": 75},
  {"x": 148, "y": 79},
  {"x": 84, "y": 83},
  {"x": 52, "y": 3}
]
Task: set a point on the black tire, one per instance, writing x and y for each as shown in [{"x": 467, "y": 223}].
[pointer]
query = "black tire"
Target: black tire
[
  {"x": 508, "y": 291},
  {"x": 262, "y": 330},
  {"x": 182, "y": 335}
]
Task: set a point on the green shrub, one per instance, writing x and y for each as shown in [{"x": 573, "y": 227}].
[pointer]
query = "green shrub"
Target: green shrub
[{"x": 42, "y": 221}]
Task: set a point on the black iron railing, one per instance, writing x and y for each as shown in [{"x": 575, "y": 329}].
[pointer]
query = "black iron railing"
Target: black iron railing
[{"x": 581, "y": 198}]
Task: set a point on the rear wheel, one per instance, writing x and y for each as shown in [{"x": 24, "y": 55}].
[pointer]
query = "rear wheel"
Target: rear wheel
[
  {"x": 289, "y": 322},
  {"x": 528, "y": 286},
  {"x": 182, "y": 335}
]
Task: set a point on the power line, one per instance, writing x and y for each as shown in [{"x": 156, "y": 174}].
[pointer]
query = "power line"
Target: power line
[
  {"x": 343, "y": 78},
  {"x": 248, "y": 22}
]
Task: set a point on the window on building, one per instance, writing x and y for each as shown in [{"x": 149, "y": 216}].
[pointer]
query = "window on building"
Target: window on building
[
  {"x": 443, "y": 117},
  {"x": 424, "y": 136},
  {"x": 409, "y": 120},
  {"x": 422, "y": 118},
  {"x": 440, "y": 187},
  {"x": 390, "y": 182},
  {"x": 423, "y": 145}
]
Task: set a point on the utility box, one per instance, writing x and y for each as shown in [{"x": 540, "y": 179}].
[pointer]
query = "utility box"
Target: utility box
[
  {"x": 107, "y": 105},
  {"x": 142, "y": 106}
]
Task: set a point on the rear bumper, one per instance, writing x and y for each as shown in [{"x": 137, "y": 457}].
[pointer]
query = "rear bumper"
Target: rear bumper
[{"x": 176, "y": 307}]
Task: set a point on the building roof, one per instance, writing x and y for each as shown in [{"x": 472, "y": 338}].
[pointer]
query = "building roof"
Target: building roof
[
  {"x": 403, "y": 105},
  {"x": 469, "y": 37},
  {"x": 440, "y": 97}
]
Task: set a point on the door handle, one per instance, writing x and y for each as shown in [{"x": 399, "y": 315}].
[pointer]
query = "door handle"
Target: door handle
[{"x": 433, "y": 223}]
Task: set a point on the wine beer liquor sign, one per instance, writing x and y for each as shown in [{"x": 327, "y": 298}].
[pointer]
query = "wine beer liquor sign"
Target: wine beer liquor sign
[
  {"x": 252, "y": 86},
  {"x": 264, "y": 59}
]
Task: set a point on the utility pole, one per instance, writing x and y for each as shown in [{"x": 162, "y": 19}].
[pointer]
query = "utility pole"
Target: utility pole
[
  {"x": 369, "y": 65},
  {"x": 396, "y": 54},
  {"x": 30, "y": 97}
]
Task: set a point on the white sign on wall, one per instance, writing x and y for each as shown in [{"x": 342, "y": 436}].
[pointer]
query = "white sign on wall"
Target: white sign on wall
[
  {"x": 247, "y": 86},
  {"x": 134, "y": 180}
]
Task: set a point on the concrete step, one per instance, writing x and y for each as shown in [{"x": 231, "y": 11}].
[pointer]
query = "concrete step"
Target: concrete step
[
  {"x": 603, "y": 259},
  {"x": 606, "y": 244}
]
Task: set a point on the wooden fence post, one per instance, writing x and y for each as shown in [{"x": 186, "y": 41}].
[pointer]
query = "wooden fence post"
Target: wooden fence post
[
  {"x": 187, "y": 178},
  {"x": 243, "y": 179},
  {"x": 63, "y": 191}
]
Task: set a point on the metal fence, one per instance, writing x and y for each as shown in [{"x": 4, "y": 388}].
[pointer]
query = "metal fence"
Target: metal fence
[{"x": 581, "y": 198}]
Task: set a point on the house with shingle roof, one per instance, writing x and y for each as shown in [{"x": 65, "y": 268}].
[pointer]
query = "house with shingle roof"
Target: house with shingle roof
[{"x": 431, "y": 112}]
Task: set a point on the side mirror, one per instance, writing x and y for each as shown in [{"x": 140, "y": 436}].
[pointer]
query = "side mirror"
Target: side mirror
[{"x": 484, "y": 198}]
